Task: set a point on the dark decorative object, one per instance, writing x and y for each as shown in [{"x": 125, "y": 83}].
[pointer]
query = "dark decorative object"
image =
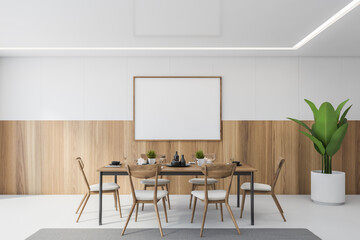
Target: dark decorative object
[
  {"x": 176, "y": 156},
  {"x": 182, "y": 161},
  {"x": 169, "y": 165},
  {"x": 237, "y": 163},
  {"x": 175, "y": 162}
]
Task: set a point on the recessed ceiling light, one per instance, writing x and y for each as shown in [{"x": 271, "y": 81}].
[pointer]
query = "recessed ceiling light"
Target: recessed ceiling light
[
  {"x": 352, "y": 5},
  {"x": 328, "y": 23}
]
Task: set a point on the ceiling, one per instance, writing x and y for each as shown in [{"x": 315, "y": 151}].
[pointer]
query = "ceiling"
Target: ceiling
[{"x": 186, "y": 28}]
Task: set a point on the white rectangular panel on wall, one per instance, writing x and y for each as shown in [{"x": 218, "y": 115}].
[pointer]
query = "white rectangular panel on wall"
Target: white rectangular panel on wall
[
  {"x": 177, "y": 108},
  {"x": 177, "y": 18}
]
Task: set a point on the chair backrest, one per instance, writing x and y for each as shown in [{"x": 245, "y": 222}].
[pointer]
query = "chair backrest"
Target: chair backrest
[
  {"x": 158, "y": 156},
  {"x": 218, "y": 171},
  {"x": 277, "y": 173},
  {"x": 143, "y": 171},
  {"x": 144, "y": 156},
  {"x": 81, "y": 166},
  {"x": 210, "y": 156}
]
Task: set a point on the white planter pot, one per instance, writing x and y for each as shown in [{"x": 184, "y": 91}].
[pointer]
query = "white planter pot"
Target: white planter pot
[
  {"x": 328, "y": 188},
  {"x": 152, "y": 160},
  {"x": 200, "y": 161}
]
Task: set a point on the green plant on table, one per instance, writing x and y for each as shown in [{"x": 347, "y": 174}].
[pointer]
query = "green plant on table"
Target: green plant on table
[
  {"x": 199, "y": 154},
  {"x": 151, "y": 154},
  {"x": 328, "y": 131}
]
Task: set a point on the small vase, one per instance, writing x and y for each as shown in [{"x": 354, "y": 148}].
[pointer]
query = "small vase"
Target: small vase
[
  {"x": 175, "y": 163},
  {"x": 182, "y": 161}
]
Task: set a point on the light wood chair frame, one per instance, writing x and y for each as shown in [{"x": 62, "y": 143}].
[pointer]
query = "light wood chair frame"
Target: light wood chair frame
[
  {"x": 145, "y": 171},
  {"x": 194, "y": 186},
  {"x": 167, "y": 186},
  {"x": 219, "y": 171},
  {"x": 272, "y": 192},
  {"x": 89, "y": 192}
]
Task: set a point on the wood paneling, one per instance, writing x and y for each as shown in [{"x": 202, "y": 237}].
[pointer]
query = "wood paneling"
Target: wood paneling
[{"x": 38, "y": 157}]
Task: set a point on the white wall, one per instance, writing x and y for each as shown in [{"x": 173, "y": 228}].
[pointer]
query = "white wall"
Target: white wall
[{"x": 100, "y": 88}]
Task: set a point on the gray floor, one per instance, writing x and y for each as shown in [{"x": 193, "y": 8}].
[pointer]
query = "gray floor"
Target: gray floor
[
  {"x": 22, "y": 216},
  {"x": 175, "y": 234}
]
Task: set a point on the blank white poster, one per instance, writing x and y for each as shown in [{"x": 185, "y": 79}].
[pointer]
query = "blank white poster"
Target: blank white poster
[{"x": 181, "y": 108}]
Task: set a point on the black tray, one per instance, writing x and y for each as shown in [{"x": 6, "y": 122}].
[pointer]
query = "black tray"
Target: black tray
[{"x": 169, "y": 165}]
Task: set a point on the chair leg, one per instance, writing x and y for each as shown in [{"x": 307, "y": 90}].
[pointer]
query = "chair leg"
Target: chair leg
[
  {"x": 142, "y": 207},
  {"x": 118, "y": 198},
  {"x": 232, "y": 217},
  {"x": 193, "y": 211},
  {"x": 128, "y": 219},
  {"x": 137, "y": 209},
  {"x": 278, "y": 206},
  {"x": 81, "y": 202},
  {"x": 158, "y": 218},
  {"x": 215, "y": 203},
  {"x": 221, "y": 212},
  {"x": 168, "y": 195},
  {"x": 82, "y": 209},
  {"x": 191, "y": 196},
  {"x": 164, "y": 205},
  {"x": 242, "y": 203},
  {"x": 115, "y": 200},
  {"x": 203, "y": 221}
]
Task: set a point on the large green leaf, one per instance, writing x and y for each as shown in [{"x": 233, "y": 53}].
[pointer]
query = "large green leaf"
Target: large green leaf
[
  {"x": 313, "y": 108},
  {"x": 336, "y": 140},
  {"x": 343, "y": 116},
  {"x": 314, "y": 134},
  {"x": 301, "y": 123},
  {"x": 317, "y": 142},
  {"x": 339, "y": 108},
  {"x": 317, "y": 149},
  {"x": 325, "y": 123},
  {"x": 342, "y": 122}
]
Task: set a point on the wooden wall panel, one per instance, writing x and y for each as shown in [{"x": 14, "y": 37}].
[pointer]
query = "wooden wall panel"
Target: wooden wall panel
[{"x": 38, "y": 157}]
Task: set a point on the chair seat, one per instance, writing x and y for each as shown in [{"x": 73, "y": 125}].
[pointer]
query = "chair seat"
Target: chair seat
[
  {"x": 151, "y": 182},
  {"x": 201, "y": 181},
  {"x": 149, "y": 194},
  {"x": 212, "y": 194},
  {"x": 257, "y": 187},
  {"x": 106, "y": 187}
]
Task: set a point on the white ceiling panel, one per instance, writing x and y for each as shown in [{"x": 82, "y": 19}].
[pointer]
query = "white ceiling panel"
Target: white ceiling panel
[
  {"x": 141, "y": 27},
  {"x": 177, "y": 18}
]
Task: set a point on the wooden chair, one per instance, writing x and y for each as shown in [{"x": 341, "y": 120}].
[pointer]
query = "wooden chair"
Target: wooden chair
[
  {"x": 146, "y": 196},
  {"x": 198, "y": 182},
  {"x": 162, "y": 183},
  {"x": 265, "y": 189},
  {"x": 215, "y": 196},
  {"x": 94, "y": 189}
]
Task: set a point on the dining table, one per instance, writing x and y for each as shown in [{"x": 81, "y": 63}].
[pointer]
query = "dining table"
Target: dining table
[{"x": 191, "y": 170}]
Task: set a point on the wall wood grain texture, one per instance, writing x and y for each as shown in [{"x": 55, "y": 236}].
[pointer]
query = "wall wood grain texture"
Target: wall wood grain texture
[{"x": 38, "y": 157}]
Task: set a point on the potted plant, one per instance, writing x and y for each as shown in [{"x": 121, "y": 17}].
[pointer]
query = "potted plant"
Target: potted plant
[
  {"x": 327, "y": 134},
  {"x": 200, "y": 157},
  {"x": 151, "y": 156}
]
